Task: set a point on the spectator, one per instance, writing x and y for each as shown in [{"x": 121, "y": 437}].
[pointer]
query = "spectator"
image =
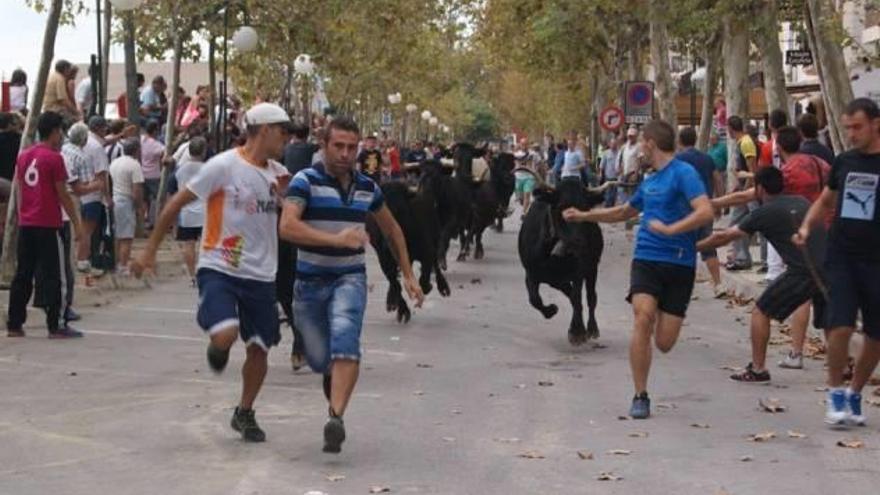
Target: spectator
[
  {"x": 128, "y": 194},
  {"x": 57, "y": 98},
  {"x": 808, "y": 125},
  {"x": 197, "y": 105},
  {"x": 42, "y": 179},
  {"x": 611, "y": 170},
  {"x": 91, "y": 208},
  {"x": 746, "y": 162},
  {"x": 191, "y": 218},
  {"x": 18, "y": 92},
  {"x": 10, "y": 142},
  {"x": 83, "y": 96},
  {"x": 299, "y": 152},
  {"x": 154, "y": 103},
  {"x": 393, "y": 153},
  {"x": 152, "y": 151},
  {"x": 369, "y": 160},
  {"x": 122, "y": 100}
]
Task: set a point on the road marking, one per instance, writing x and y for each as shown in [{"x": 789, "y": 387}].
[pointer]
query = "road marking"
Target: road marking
[
  {"x": 144, "y": 335},
  {"x": 155, "y": 309}
]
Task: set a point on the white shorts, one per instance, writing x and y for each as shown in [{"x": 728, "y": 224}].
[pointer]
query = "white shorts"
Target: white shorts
[{"x": 124, "y": 217}]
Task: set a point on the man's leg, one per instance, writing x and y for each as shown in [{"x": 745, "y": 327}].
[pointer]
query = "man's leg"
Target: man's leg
[
  {"x": 49, "y": 254},
  {"x": 714, "y": 268},
  {"x": 645, "y": 316},
  {"x": 837, "y": 356},
  {"x": 84, "y": 244},
  {"x": 189, "y": 256},
  {"x": 742, "y": 257},
  {"x": 866, "y": 363},
  {"x": 123, "y": 252},
  {"x": 760, "y": 336},
  {"x": 667, "y": 331},
  {"x": 66, "y": 237},
  {"x": 798, "y": 323},
  {"x": 253, "y": 372},
  {"x": 22, "y": 285},
  {"x": 344, "y": 376}
]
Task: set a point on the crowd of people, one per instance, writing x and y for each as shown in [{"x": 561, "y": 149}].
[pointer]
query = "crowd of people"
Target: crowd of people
[{"x": 282, "y": 201}]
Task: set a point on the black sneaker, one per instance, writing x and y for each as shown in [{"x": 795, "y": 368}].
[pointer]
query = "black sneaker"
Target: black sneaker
[
  {"x": 749, "y": 375},
  {"x": 71, "y": 315},
  {"x": 217, "y": 358},
  {"x": 245, "y": 423},
  {"x": 334, "y": 434},
  {"x": 65, "y": 332},
  {"x": 327, "y": 381},
  {"x": 641, "y": 406}
]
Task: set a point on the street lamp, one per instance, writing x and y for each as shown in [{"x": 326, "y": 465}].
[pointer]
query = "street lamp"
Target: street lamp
[
  {"x": 394, "y": 99},
  {"x": 131, "y": 89},
  {"x": 426, "y": 116},
  {"x": 245, "y": 40},
  {"x": 304, "y": 68},
  {"x": 410, "y": 109}
]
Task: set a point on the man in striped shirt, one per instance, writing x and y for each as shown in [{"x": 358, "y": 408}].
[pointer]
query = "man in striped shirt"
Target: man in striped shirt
[{"x": 324, "y": 215}]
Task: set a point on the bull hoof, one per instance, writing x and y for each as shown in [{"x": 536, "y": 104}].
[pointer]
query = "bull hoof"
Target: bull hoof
[
  {"x": 592, "y": 330},
  {"x": 577, "y": 337},
  {"x": 443, "y": 265},
  {"x": 478, "y": 254},
  {"x": 403, "y": 314},
  {"x": 443, "y": 287},
  {"x": 426, "y": 288},
  {"x": 461, "y": 257},
  {"x": 391, "y": 307},
  {"x": 550, "y": 311}
]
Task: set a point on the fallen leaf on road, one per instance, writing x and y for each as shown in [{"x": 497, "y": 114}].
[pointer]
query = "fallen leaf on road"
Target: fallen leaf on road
[
  {"x": 395, "y": 339},
  {"x": 314, "y": 492},
  {"x": 728, "y": 367},
  {"x": 423, "y": 365},
  {"x": 597, "y": 345},
  {"x": 521, "y": 386},
  {"x": 380, "y": 489},
  {"x": 531, "y": 454},
  {"x": 820, "y": 389},
  {"x": 456, "y": 411},
  {"x": 873, "y": 381},
  {"x": 476, "y": 281},
  {"x": 418, "y": 393},
  {"x": 585, "y": 455},
  {"x": 722, "y": 491},
  {"x": 335, "y": 477},
  {"x": 507, "y": 440},
  {"x": 703, "y": 426},
  {"x": 795, "y": 434},
  {"x": 695, "y": 298},
  {"x": 638, "y": 434},
  {"x": 608, "y": 476},
  {"x": 622, "y": 418},
  {"x": 854, "y": 443},
  {"x": 693, "y": 338},
  {"x": 763, "y": 437},
  {"x": 771, "y": 405},
  {"x": 746, "y": 458},
  {"x": 449, "y": 439},
  {"x": 877, "y": 391},
  {"x": 619, "y": 452},
  {"x": 666, "y": 405},
  {"x": 545, "y": 384},
  {"x": 873, "y": 402}
]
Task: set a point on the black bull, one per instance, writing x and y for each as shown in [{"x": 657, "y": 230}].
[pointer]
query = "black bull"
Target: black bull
[{"x": 568, "y": 274}]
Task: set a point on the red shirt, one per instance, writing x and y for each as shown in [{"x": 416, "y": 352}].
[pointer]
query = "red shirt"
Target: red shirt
[
  {"x": 39, "y": 169},
  {"x": 394, "y": 158},
  {"x": 122, "y": 106},
  {"x": 806, "y": 176}
]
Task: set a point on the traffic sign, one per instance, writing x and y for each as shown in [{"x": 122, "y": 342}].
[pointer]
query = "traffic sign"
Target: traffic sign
[
  {"x": 799, "y": 57},
  {"x": 639, "y": 106},
  {"x": 611, "y": 118},
  {"x": 387, "y": 119}
]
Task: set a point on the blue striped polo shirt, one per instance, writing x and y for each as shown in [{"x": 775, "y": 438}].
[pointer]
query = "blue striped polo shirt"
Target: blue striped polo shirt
[{"x": 327, "y": 207}]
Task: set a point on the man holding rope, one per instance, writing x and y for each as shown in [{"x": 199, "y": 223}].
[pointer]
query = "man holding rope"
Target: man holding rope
[{"x": 777, "y": 219}]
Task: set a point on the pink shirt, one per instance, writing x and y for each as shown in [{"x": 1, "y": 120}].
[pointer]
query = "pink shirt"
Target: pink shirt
[
  {"x": 152, "y": 151},
  {"x": 39, "y": 169}
]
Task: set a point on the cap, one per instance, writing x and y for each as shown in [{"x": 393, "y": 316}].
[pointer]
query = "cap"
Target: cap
[
  {"x": 97, "y": 122},
  {"x": 632, "y": 131},
  {"x": 266, "y": 113}
]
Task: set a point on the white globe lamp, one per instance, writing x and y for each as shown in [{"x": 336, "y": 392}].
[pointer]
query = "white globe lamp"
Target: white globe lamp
[
  {"x": 124, "y": 5},
  {"x": 410, "y": 108},
  {"x": 245, "y": 39}
]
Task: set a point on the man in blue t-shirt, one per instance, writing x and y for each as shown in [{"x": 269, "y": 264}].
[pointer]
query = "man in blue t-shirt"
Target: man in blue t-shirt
[{"x": 674, "y": 206}]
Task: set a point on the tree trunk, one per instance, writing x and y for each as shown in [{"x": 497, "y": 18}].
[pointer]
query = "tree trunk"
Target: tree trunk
[
  {"x": 660, "y": 61},
  {"x": 833, "y": 75},
  {"x": 105, "y": 51},
  {"x": 710, "y": 85},
  {"x": 131, "y": 89},
  {"x": 735, "y": 49},
  {"x": 212, "y": 81},
  {"x": 771, "y": 57},
  {"x": 10, "y": 234}
]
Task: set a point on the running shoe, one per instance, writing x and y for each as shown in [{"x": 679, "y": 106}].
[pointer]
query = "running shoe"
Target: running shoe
[
  {"x": 749, "y": 375},
  {"x": 733, "y": 266},
  {"x": 792, "y": 361},
  {"x": 297, "y": 361},
  {"x": 65, "y": 332},
  {"x": 334, "y": 434},
  {"x": 837, "y": 413},
  {"x": 641, "y": 406},
  {"x": 854, "y": 401},
  {"x": 245, "y": 422},
  {"x": 217, "y": 358}
]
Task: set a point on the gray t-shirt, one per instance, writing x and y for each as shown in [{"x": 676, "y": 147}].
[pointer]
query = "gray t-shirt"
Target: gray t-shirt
[{"x": 778, "y": 219}]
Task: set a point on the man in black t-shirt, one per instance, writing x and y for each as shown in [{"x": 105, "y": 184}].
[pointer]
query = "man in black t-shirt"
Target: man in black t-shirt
[
  {"x": 853, "y": 261},
  {"x": 370, "y": 160},
  {"x": 299, "y": 152},
  {"x": 808, "y": 125},
  {"x": 777, "y": 219}
]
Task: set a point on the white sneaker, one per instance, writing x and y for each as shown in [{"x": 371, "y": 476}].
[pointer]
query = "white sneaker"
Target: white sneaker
[
  {"x": 83, "y": 266},
  {"x": 854, "y": 402},
  {"x": 792, "y": 362},
  {"x": 837, "y": 413}
]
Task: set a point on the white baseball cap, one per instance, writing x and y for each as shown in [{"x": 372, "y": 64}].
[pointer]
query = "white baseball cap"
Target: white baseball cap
[{"x": 266, "y": 113}]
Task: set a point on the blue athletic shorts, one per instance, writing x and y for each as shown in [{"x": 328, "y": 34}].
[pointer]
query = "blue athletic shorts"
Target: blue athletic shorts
[
  {"x": 329, "y": 312},
  {"x": 226, "y": 301},
  {"x": 92, "y": 211}
]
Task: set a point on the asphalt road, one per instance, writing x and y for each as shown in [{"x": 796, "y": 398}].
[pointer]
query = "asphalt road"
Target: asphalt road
[{"x": 478, "y": 394}]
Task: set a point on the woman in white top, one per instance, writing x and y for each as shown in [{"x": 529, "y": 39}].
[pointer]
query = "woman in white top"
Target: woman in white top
[{"x": 18, "y": 91}]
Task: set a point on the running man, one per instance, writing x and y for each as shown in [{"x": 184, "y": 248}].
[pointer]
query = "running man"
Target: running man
[
  {"x": 777, "y": 219},
  {"x": 236, "y": 270},
  {"x": 674, "y": 206},
  {"x": 324, "y": 215},
  {"x": 853, "y": 259}
]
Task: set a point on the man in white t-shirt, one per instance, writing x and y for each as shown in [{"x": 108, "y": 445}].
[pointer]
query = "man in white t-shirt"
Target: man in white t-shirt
[
  {"x": 630, "y": 164},
  {"x": 128, "y": 194},
  {"x": 91, "y": 205},
  {"x": 573, "y": 164},
  {"x": 83, "y": 95},
  {"x": 239, "y": 256},
  {"x": 192, "y": 216}
]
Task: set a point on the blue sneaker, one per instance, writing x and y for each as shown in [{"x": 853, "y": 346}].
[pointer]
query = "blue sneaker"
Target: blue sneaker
[
  {"x": 837, "y": 413},
  {"x": 854, "y": 401},
  {"x": 641, "y": 406}
]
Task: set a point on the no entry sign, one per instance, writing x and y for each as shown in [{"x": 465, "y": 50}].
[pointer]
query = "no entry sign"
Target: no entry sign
[
  {"x": 639, "y": 107},
  {"x": 611, "y": 118}
]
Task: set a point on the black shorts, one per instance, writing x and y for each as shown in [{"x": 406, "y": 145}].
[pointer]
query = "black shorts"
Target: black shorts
[
  {"x": 788, "y": 292},
  {"x": 188, "y": 233},
  {"x": 853, "y": 286},
  {"x": 669, "y": 283}
]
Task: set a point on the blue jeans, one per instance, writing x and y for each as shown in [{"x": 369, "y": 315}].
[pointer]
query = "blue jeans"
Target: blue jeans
[{"x": 329, "y": 312}]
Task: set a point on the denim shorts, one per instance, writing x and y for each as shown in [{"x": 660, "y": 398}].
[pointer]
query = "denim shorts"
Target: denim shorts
[
  {"x": 329, "y": 312},
  {"x": 226, "y": 301}
]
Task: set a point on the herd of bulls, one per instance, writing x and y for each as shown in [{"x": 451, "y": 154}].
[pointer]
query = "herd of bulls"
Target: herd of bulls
[{"x": 440, "y": 203}]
